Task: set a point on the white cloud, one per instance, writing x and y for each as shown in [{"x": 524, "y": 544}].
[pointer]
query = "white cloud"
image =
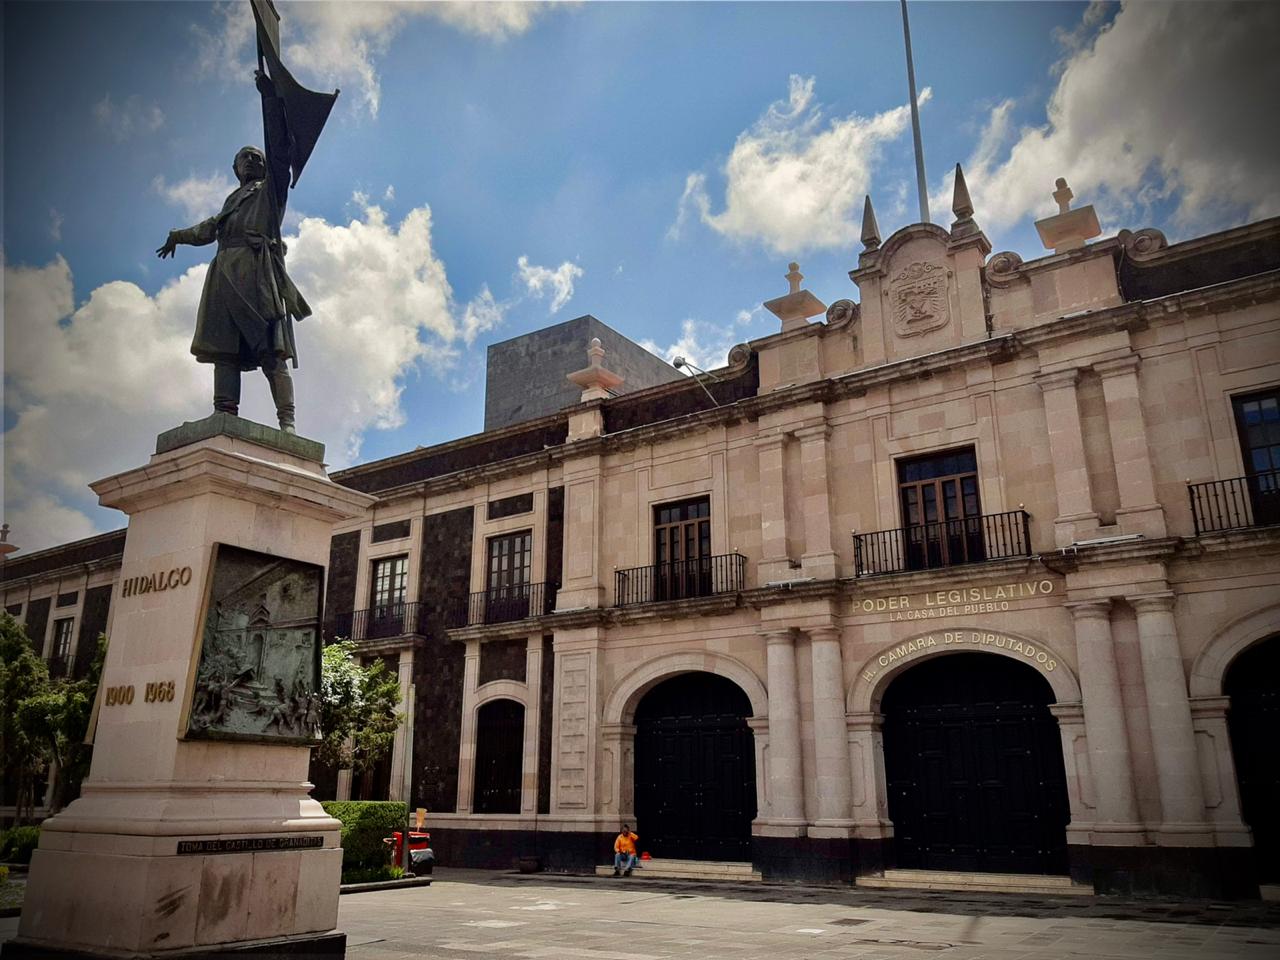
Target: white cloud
[
  {"x": 339, "y": 44},
  {"x": 91, "y": 386},
  {"x": 199, "y": 197},
  {"x": 55, "y": 223},
  {"x": 543, "y": 281},
  {"x": 1168, "y": 101},
  {"x": 127, "y": 119},
  {"x": 793, "y": 182},
  {"x": 707, "y": 344}
]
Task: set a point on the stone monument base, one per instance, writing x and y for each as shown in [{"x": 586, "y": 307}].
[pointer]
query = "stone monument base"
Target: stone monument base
[{"x": 188, "y": 842}]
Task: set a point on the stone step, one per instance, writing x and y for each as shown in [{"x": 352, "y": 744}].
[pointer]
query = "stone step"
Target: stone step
[
  {"x": 976, "y": 882},
  {"x": 667, "y": 869}
]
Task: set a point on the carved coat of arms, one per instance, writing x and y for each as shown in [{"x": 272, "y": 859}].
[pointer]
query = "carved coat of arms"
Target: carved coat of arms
[{"x": 918, "y": 295}]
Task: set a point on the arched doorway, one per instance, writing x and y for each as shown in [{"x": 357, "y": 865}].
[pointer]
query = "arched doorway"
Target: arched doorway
[
  {"x": 1253, "y": 719},
  {"x": 499, "y": 757},
  {"x": 695, "y": 769},
  {"x": 973, "y": 763}
]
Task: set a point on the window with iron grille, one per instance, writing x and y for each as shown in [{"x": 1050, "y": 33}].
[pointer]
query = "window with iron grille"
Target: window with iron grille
[
  {"x": 1258, "y": 425},
  {"x": 510, "y": 562},
  {"x": 390, "y": 582},
  {"x": 940, "y": 508},
  {"x": 682, "y": 549},
  {"x": 62, "y": 631}
]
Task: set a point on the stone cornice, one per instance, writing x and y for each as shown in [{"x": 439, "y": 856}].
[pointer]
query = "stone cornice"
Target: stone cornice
[{"x": 84, "y": 568}]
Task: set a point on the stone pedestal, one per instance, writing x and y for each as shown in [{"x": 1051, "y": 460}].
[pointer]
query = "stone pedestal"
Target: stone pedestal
[{"x": 177, "y": 845}]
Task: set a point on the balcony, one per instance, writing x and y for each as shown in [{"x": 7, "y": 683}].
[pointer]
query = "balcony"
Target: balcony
[
  {"x": 948, "y": 543},
  {"x": 1236, "y": 504},
  {"x": 379, "y": 623},
  {"x": 682, "y": 580},
  {"x": 503, "y": 605}
]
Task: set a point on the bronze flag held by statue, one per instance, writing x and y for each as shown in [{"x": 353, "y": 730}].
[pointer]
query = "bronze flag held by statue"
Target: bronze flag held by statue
[{"x": 249, "y": 304}]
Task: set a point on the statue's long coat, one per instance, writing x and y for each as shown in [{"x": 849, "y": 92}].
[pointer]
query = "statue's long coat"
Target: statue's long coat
[{"x": 248, "y": 304}]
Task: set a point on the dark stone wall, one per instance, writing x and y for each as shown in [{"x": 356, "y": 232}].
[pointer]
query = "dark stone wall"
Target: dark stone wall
[
  {"x": 445, "y": 580},
  {"x": 546, "y": 703},
  {"x": 503, "y": 660},
  {"x": 448, "y": 458},
  {"x": 395, "y": 530},
  {"x": 37, "y": 620},
  {"x": 624, "y": 413},
  {"x": 104, "y": 547},
  {"x": 555, "y": 535},
  {"x": 1218, "y": 873},
  {"x": 93, "y": 621},
  {"x": 1174, "y": 272},
  {"x": 525, "y": 376},
  {"x": 558, "y": 851},
  {"x": 340, "y": 591},
  {"x": 510, "y": 506}
]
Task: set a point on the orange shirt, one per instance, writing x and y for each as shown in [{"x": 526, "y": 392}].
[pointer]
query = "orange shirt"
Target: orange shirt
[{"x": 626, "y": 843}]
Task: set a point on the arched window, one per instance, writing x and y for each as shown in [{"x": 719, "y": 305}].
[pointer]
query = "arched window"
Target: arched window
[{"x": 499, "y": 757}]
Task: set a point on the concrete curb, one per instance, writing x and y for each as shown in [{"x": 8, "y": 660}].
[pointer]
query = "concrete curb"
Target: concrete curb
[{"x": 384, "y": 885}]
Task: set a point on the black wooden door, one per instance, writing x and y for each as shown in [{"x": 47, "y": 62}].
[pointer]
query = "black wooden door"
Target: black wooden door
[
  {"x": 695, "y": 770},
  {"x": 1253, "y": 684},
  {"x": 499, "y": 757},
  {"x": 973, "y": 760}
]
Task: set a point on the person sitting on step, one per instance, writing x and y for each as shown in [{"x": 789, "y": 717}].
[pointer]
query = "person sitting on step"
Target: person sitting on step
[{"x": 624, "y": 852}]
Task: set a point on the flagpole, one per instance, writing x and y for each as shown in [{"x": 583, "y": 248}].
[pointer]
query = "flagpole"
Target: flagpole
[{"x": 915, "y": 121}]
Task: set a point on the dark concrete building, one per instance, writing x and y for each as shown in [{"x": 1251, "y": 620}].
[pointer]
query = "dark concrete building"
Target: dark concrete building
[{"x": 525, "y": 376}]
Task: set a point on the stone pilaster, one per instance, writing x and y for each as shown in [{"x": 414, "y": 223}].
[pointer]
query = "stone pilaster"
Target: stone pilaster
[
  {"x": 467, "y": 745},
  {"x": 774, "y": 562},
  {"x": 819, "y": 559},
  {"x": 618, "y": 747},
  {"x": 532, "y": 721},
  {"x": 1139, "y": 510},
  {"x": 1218, "y": 772},
  {"x": 1116, "y": 819},
  {"x": 831, "y": 736},
  {"x": 1076, "y": 517},
  {"x": 866, "y": 758},
  {"x": 1172, "y": 734},
  {"x": 581, "y": 585},
  {"x": 786, "y": 778},
  {"x": 402, "y": 748}
]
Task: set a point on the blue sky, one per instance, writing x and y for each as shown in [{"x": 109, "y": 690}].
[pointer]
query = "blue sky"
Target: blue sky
[{"x": 494, "y": 168}]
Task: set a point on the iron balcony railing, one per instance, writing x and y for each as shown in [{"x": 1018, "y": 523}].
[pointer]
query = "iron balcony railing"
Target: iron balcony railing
[
  {"x": 681, "y": 580},
  {"x": 991, "y": 536},
  {"x": 1236, "y": 504},
  {"x": 502, "y": 605},
  {"x": 379, "y": 622}
]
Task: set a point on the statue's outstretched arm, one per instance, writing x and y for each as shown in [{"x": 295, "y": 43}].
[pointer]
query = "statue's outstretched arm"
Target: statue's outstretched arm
[{"x": 206, "y": 231}]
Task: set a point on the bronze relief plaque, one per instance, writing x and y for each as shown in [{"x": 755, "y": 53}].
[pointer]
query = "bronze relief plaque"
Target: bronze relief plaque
[{"x": 257, "y": 673}]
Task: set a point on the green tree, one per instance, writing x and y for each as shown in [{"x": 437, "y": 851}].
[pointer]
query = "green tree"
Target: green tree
[
  {"x": 56, "y": 721},
  {"x": 22, "y": 675},
  {"x": 358, "y": 717}
]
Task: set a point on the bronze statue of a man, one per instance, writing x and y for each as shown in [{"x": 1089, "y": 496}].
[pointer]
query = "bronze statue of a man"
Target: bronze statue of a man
[{"x": 248, "y": 304}]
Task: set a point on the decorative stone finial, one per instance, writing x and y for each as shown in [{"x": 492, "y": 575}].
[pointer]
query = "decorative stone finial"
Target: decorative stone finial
[
  {"x": 1068, "y": 229},
  {"x": 798, "y": 305},
  {"x": 961, "y": 205},
  {"x": 1062, "y": 195},
  {"x": 4, "y": 533},
  {"x": 6, "y": 547},
  {"x": 870, "y": 229},
  {"x": 596, "y": 382}
]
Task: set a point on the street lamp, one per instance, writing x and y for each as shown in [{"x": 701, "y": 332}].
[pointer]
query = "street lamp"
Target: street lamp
[{"x": 680, "y": 363}]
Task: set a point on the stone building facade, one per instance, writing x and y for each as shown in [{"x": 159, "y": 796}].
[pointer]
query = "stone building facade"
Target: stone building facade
[{"x": 978, "y": 574}]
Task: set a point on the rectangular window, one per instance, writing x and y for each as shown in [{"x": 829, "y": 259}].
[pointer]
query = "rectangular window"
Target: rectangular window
[
  {"x": 390, "y": 582},
  {"x": 510, "y": 506},
  {"x": 682, "y": 549},
  {"x": 508, "y": 590},
  {"x": 14, "y": 610},
  {"x": 67, "y": 599},
  {"x": 394, "y": 530},
  {"x": 510, "y": 561},
  {"x": 62, "y": 630},
  {"x": 941, "y": 513},
  {"x": 1258, "y": 424}
]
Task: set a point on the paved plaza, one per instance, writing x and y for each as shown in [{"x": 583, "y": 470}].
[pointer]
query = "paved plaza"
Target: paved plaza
[
  {"x": 467, "y": 914},
  {"x": 470, "y": 914}
]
